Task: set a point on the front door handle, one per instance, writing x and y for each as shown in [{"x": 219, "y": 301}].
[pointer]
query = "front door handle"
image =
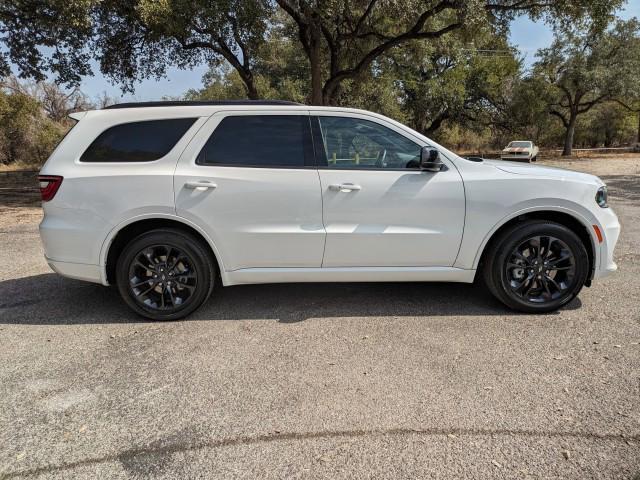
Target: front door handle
[
  {"x": 345, "y": 187},
  {"x": 201, "y": 185}
]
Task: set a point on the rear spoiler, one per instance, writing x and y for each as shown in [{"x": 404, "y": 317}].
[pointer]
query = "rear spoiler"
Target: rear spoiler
[{"x": 77, "y": 116}]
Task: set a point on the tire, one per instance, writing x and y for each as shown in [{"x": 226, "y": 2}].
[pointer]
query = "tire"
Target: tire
[
  {"x": 512, "y": 275},
  {"x": 165, "y": 274},
  {"x": 534, "y": 159}
]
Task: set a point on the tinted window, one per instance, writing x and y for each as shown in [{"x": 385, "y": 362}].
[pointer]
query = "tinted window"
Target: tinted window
[
  {"x": 356, "y": 143},
  {"x": 137, "y": 141},
  {"x": 259, "y": 141}
]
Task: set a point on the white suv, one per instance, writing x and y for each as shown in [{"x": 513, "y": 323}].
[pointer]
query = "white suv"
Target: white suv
[{"x": 167, "y": 199}]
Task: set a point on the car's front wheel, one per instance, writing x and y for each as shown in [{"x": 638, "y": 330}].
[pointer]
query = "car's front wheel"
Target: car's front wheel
[
  {"x": 536, "y": 267},
  {"x": 165, "y": 274}
]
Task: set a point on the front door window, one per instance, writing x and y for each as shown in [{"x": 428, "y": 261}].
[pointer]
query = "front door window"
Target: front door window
[{"x": 354, "y": 143}]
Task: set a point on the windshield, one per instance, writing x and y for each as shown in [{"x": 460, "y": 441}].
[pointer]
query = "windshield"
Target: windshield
[{"x": 520, "y": 144}]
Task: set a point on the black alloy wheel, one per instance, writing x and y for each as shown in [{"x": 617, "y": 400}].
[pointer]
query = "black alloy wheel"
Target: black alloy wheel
[
  {"x": 165, "y": 274},
  {"x": 162, "y": 277},
  {"x": 541, "y": 269},
  {"x": 536, "y": 266}
]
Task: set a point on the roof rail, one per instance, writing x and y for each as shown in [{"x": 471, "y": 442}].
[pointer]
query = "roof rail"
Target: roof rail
[{"x": 189, "y": 103}]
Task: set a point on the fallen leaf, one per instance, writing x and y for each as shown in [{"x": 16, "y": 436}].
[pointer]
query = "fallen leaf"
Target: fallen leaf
[
  {"x": 496, "y": 464},
  {"x": 566, "y": 454}
]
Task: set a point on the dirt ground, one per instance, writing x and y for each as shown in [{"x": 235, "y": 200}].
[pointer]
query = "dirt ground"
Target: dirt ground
[{"x": 318, "y": 380}]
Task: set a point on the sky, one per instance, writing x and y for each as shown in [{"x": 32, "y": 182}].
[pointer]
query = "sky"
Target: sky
[{"x": 528, "y": 36}]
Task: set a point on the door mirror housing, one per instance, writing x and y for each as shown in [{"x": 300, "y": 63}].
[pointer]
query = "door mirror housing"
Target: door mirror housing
[{"x": 430, "y": 160}]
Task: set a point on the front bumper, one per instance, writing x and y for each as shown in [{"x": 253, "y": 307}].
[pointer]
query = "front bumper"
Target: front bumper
[
  {"x": 610, "y": 227},
  {"x": 515, "y": 157}
]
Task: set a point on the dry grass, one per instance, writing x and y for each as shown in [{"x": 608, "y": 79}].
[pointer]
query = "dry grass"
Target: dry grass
[{"x": 20, "y": 166}]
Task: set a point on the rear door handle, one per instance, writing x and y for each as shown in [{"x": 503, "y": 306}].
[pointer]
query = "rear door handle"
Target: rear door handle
[
  {"x": 345, "y": 187},
  {"x": 201, "y": 185}
]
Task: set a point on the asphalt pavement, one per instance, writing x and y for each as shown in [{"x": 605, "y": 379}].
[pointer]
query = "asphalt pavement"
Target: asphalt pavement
[{"x": 317, "y": 380}]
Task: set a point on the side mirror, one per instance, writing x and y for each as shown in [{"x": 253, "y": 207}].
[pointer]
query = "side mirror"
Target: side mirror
[{"x": 430, "y": 160}]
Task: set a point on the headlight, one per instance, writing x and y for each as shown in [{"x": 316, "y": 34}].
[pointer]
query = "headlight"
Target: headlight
[{"x": 601, "y": 197}]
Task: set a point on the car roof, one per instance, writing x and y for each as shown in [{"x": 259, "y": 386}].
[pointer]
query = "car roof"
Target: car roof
[
  {"x": 135, "y": 111},
  {"x": 197, "y": 103}
]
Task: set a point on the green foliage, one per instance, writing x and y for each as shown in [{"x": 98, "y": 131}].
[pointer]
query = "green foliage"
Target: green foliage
[
  {"x": 455, "y": 81},
  {"x": 51, "y": 36},
  {"x": 585, "y": 68},
  {"x": 27, "y": 133}
]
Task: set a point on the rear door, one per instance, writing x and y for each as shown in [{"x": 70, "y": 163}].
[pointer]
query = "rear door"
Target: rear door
[
  {"x": 249, "y": 179},
  {"x": 380, "y": 209}
]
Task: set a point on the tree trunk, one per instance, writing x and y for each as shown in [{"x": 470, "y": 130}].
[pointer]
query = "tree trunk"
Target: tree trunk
[
  {"x": 638, "y": 126},
  {"x": 252, "y": 91},
  {"x": 315, "y": 62},
  {"x": 249, "y": 84},
  {"x": 568, "y": 139}
]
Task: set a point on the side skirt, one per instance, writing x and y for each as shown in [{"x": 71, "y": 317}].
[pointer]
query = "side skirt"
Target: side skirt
[{"x": 348, "y": 274}]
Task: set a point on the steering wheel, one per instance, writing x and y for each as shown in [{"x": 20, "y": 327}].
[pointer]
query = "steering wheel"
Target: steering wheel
[{"x": 380, "y": 161}]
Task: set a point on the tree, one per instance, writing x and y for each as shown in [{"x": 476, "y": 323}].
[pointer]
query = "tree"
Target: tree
[
  {"x": 341, "y": 39},
  {"x": 46, "y": 36},
  {"x": 140, "y": 39},
  {"x": 33, "y": 118},
  {"x": 583, "y": 69},
  {"x": 27, "y": 135},
  {"x": 56, "y": 102},
  {"x": 454, "y": 81}
]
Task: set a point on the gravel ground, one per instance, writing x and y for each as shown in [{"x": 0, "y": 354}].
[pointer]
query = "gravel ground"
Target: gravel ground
[{"x": 317, "y": 381}]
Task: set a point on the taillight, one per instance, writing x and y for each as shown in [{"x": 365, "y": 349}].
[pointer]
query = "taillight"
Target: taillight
[{"x": 49, "y": 185}]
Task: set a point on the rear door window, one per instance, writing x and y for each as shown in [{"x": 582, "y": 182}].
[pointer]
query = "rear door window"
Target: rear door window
[
  {"x": 137, "y": 141},
  {"x": 268, "y": 141}
]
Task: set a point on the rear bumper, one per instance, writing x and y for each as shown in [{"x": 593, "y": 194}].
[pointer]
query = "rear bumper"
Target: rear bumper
[{"x": 78, "y": 271}]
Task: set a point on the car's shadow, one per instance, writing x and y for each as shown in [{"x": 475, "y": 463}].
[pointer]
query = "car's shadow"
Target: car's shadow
[{"x": 49, "y": 299}]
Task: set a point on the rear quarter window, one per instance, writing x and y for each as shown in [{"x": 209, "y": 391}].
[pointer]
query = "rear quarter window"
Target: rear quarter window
[{"x": 137, "y": 141}]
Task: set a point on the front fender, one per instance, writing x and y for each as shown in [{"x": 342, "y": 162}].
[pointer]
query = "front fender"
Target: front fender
[{"x": 478, "y": 234}]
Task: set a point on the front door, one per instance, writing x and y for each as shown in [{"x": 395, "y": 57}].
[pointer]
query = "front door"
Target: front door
[
  {"x": 379, "y": 208},
  {"x": 249, "y": 179}
]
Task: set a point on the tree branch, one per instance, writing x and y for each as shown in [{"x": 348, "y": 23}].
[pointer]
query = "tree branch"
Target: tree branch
[{"x": 561, "y": 116}]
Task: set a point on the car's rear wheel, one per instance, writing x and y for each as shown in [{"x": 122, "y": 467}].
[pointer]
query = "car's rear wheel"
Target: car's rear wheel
[
  {"x": 165, "y": 274},
  {"x": 536, "y": 267}
]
